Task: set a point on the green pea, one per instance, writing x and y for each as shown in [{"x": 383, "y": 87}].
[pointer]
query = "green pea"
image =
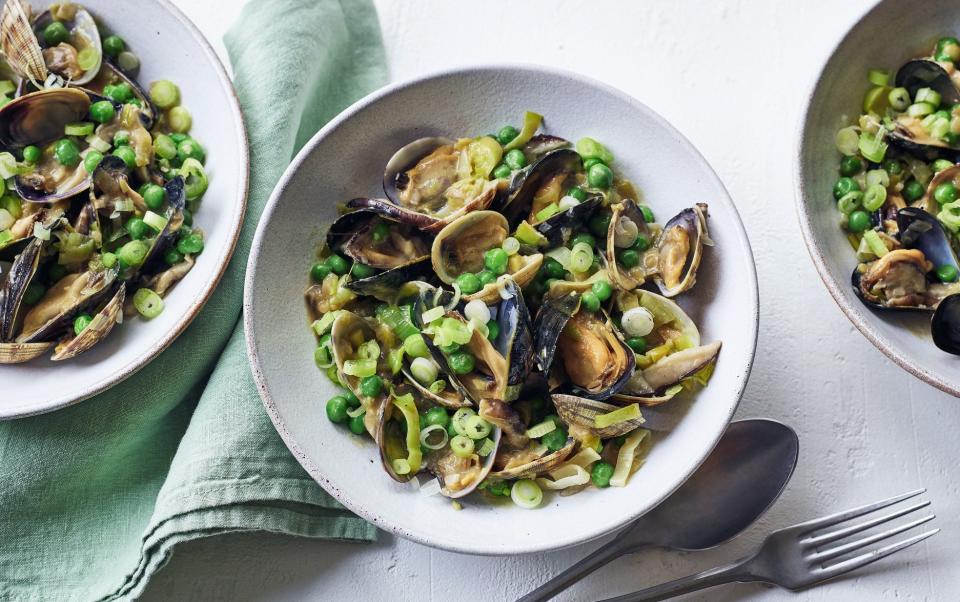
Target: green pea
[
  {"x": 153, "y": 195},
  {"x": 892, "y": 167},
  {"x": 113, "y": 45},
  {"x": 338, "y": 265},
  {"x": 35, "y": 291},
  {"x": 468, "y": 283},
  {"x": 506, "y": 134},
  {"x": 578, "y": 193},
  {"x": 55, "y": 33},
  {"x": 102, "y": 111},
  {"x": 638, "y": 344},
  {"x": 55, "y": 273},
  {"x": 588, "y": 163},
  {"x": 602, "y": 290},
  {"x": 940, "y": 164},
  {"x": 164, "y": 93},
  {"x": 190, "y": 149},
  {"x": 357, "y": 426},
  {"x": 498, "y": 488},
  {"x": 121, "y": 139},
  {"x": 451, "y": 430},
  {"x": 450, "y": 349},
  {"x": 132, "y": 254},
  {"x": 589, "y": 301},
  {"x": 370, "y": 386},
  {"x": 945, "y": 193},
  {"x": 179, "y": 119},
  {"x": 858, "y": 221},
  {"x": 92, "y": 160},
  {"x": 641, "y": 244},
  {"x": 361, "y": 271},
  {"x": 599, "y": 223},
  {"x": 947, "y": 273},
  {"x": 844, "y": 186},
  {"x": 187, "y": 218},
  {"x": 912, "y": 191},
  {"x": 31, "y": 154},
  {"x": 108, "y": 260},
  {"x": 555, "y": 439},
  {"x": 600, "y": 176},
  {"x": 647, "y": 214},
  {"x": 554, "y": 268},
  {"x": 601, "y": 473},
  {"x": 495, "y": 260},
  {"x": 319, "y": 271},
  {"x": 81, "y": 322},
  {"x": 437, "y": 416},
  {"x": 190, "y": 243},
  {"x": 584, "y": 238},
  {"x": 172, "y": 256},
  {"x": 127, "y": 155},
  {"x": 461, "y": 362},
  {"x": 628, "y": 258},
  {"x": 493, "y": 330},
  {"x": 380, "y": 231},
  {"x": 850, "y": 166},
  {"x": 486, "y": 277},
  {"x": 942, "y": 43},
  {"x": 337, "y": 410},
  {"x": 119, "y": 92},
  {"x": 164, "y": 146},
  {"x": 515, "y": 159},
  {"x": 502, "y": 171},
  {"x": 67, "y": 152},
  {"x": 137, "y": 228}
]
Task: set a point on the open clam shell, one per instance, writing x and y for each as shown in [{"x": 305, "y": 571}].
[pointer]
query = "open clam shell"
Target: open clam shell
[
  {"x": 626, "y": 216},
  {"x": 83, "y": 34},
  {"x": 521, "y": 466},
  {"x": 108, "y": 317},
  {"x": 460, "y": 248},
  {"x": 18, "y": 353},
  {"x": 40, "y": 117},
  {"x": 71, "y": 295},
  {"x": 460, "y": 477},
  {"x": 583, "y": 412}
]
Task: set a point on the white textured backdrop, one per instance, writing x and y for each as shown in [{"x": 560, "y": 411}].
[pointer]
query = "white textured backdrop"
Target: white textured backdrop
[{"x": 730, "y": 75}]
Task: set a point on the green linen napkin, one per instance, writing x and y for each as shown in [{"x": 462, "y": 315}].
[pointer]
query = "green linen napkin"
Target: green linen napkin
[{"x": 94, "y": 498}]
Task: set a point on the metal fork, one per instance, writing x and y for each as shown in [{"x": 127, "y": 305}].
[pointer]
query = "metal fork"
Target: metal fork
[{"x": 799, "y": 556}]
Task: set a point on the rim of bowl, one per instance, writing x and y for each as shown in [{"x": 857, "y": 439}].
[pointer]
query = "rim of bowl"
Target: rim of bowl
[
  {"x": 855, "y": 314},
  {"x": 357, "y": 506},
  {"x": 167, "y": 339}
]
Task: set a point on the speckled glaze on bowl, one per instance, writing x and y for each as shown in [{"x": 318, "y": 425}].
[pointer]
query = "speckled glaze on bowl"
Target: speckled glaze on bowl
[
  {"x": 170, "y": 47},
  {"x": 346, "y": 159},
  {"x": 885, "y": 37}
]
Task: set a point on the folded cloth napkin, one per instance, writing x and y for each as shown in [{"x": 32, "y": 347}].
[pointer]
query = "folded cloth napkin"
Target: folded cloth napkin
[{"x": 94, "y": 498}]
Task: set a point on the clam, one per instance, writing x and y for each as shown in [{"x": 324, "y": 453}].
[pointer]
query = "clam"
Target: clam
[
  {"x": 529, "y": 462},
  {"x": 40, "y": 117},
  {"x": 21, "y": 50},
  {"x": 71, "y": 295},
  {"x": 461, "y": 476},
  {"x": 580, "y": 413},
  {"x": 459, "y": 248},
  {"x": 18, "y": 353},
  {"x": 348, "y": 332},
  {"x": 428, "y": 186},
  {"x": 62, "y": 59},
  {"x": 679, "y": 250},
  {"x": 595, "y": 359},
  {"x": 626, "y": 225},
  {"x": 103, "y": 322}
]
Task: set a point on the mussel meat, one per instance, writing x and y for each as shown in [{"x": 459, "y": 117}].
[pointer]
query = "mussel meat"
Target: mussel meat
[{"x": 679, "y": 250}]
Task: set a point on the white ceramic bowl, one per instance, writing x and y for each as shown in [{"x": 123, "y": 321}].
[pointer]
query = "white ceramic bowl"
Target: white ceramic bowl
[
  {"x": 346, "y": 159},
  {"x": 169, "y": 47},
  {"x": 885, "y": 37}
]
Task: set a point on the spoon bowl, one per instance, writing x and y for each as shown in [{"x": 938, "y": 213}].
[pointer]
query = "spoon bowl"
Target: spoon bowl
[{"x": 743, "y": 476}]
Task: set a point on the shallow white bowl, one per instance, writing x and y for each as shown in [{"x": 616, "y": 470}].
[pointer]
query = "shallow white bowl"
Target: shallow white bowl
[
  {"x": 169, "y": 47},
  {"x": 346, "y": 159},
  {"x": 885, "y": 37}
]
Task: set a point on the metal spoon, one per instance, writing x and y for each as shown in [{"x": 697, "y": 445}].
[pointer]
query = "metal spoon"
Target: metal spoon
[{"x": 740, "y": 479}]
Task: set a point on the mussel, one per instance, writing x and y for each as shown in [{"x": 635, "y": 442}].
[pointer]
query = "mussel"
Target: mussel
[
  {"x": 459, "y": 248},
  {"x": 945, "y": 325},
  {"x": 926, "y": 73},
  {"x": 535, "y": 187},
  {"x": 679, "y": 250},
  {"x": 594, "y": 357}
]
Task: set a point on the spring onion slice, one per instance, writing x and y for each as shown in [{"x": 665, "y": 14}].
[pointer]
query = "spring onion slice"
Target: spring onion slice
[
  {"x": 456, "y": 297},
  {"x": 460, "y": 418},
  {"x": 485, "y": 448},
  {"x": 432, "y": 314},
  {"x": 97, "y": 143},
  {"x": 425, "y": 436},
  {"x": 82, "y": 128},
  {"x": 357, "y": 411},
  {"x": 847, "y": 140},
  {"x": 531, "y": 123},
  {"x": 476, "y": 427},
  {"x": 462, "y": 446},
  {"x": 626, "y": 457},
  {"x": 630, "y": 412},
  {"x": 874, "y": 197},
  {"x": 539, "y": 430},
  {"x": 548, "y": 212},
  {"x": 878, "y": 77},
  {"x": 148, "y": 303},
  {"x": 325, "y": 323},
  {"x": 360, "y": 368},
  {"x": 526, "y": 494},
  {"x": 40, "y": 232},
  {"x": 876, "y": 245},
  {"x": 408, "y": 408},
  {"x": 568, "y": 475},
  {"x": 562, "y": 255},
  {"x": 585, "y": 457},
  {"x": 155, "y": 221}
]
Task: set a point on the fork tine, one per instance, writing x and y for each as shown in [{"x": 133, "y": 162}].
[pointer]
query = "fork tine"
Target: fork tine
[
  {"x": 839, "y": 517},
  {"x": 866, "y": 541},
  {"x": 832, "y": 536},
  {"x": 864, "y": 559}
]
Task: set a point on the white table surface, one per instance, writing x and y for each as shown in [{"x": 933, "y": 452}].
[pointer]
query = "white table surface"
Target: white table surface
[{"x": 730, "y": 75}]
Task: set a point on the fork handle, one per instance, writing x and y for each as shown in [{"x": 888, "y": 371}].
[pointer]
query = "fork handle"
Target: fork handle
[
  {"x": 578, "y": 571},
  {"x": 716, "y": 576}
]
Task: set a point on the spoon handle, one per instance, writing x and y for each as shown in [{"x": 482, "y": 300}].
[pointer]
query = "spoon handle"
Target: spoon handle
[
  {"x": 737, "y": 571},
  {"x": 592, "y": 562}
]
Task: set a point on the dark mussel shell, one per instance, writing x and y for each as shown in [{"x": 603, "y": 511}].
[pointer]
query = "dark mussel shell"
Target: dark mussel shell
[
  {"x": 541, "y": 144},
  {"x": 21, "y": 273},
  {"x": 921, "y": 230},
  {"x": 526, "y": 182},
  {"x": 99, "y": 284},
  {"x": 389, "y": 210},
  {"x": 924, "y": 73},
  {"x": 558, "y": 228},
  {"x": 349, "y": 235},
  {"x": 176, "y": 201},
  {"x": 384, "y": 285},
  {"x": 945, "y": 325},
  {"x": 515, "y": 340},
  {"x": 551, "y": 318}
]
